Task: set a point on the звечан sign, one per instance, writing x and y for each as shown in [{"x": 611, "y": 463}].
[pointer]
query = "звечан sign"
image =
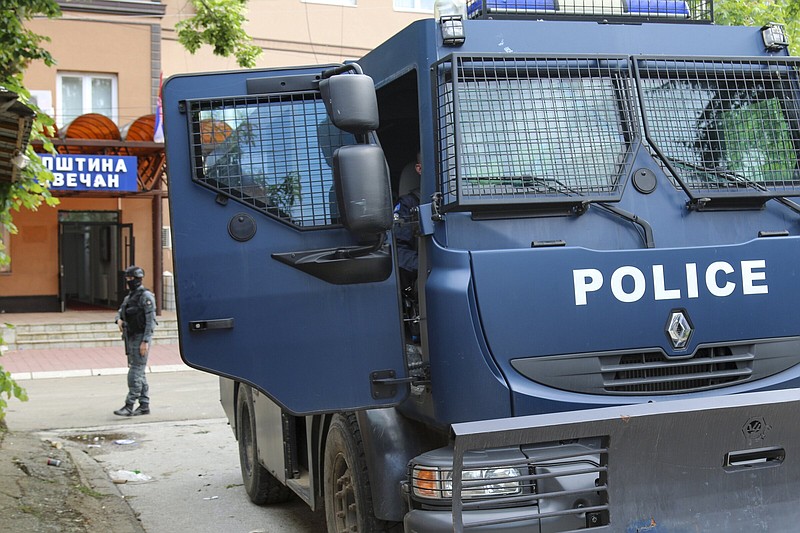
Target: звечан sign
[{"x": 92, "y": 172}]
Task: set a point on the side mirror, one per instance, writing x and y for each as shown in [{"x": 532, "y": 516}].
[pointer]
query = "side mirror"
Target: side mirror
[
  {"x": 362, "y": 189},
  {"x": 351, "y": 102}
]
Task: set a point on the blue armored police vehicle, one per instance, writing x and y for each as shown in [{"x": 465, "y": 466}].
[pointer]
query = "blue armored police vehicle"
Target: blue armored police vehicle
[{"x": 584, "y": 315}]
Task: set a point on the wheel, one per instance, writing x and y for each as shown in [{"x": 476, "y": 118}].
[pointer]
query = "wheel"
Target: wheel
[
  {"x": 261, "y": 486},
  {"x": 348, "y": 498}
]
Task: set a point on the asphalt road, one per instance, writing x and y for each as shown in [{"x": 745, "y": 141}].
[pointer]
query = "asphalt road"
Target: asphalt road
[{"x": 185, "y": 447}]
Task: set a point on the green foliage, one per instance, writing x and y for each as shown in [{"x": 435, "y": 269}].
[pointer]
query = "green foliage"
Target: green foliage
[
  {"x": 760, "y": 12},
  {"x": 18, "y": 45},
  {"x": 83, "y": 489},
  {"x": 8, "y": 388},
  {"x": 758, "y": 141},
  {"x": 30, "y": 190},
  {"x": 219, "y": 23},
  {"x": 18, "y": 48},
  {"x": 286, "y": 193}
]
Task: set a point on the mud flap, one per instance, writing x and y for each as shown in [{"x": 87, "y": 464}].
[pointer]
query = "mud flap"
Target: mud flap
[{"x": 715, "y": 464}]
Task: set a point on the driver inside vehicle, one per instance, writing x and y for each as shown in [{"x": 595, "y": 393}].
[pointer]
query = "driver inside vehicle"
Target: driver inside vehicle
[{"x": 405, "y": 232}]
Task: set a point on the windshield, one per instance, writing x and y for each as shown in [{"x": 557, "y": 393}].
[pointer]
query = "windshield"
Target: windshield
[
  {"x": 536, "y": 129},
  {"x": 549, "y": 130},
  {"x": 723, "y": 128}
]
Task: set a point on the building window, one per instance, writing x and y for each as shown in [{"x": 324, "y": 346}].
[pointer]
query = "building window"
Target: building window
[
  {"x": 423, "y": 6},
  {"x": 166, "y": 237},
  {"x": 80, "y": 93},
  {"x": 351, "y": 3}
]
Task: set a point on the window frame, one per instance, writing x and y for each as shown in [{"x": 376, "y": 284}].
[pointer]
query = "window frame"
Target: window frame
[
  {"x": 342, "y": 3},
  {"x": 416, "y": 9},
  {"x": 86, "y": 103}
]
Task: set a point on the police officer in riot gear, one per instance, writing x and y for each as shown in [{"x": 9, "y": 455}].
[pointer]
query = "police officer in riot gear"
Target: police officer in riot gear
[{"x": 136, "y": 319}]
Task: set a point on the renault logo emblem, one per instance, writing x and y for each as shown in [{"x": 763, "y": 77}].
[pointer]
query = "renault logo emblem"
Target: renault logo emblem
[{"x": 679, "y": 329}]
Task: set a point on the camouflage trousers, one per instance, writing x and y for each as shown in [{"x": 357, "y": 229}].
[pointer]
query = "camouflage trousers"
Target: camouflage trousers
[{"x": 138, "y": 388}]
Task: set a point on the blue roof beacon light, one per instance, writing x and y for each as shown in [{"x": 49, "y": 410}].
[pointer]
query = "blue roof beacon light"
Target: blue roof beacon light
[
  {"x": 775, "y": 37},
  {"x": 698, "y": 11},
  {"x": 659, "y": 8}
]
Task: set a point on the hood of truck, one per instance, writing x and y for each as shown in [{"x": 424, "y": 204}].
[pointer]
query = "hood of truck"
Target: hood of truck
[{"x": 557, "y": 301}]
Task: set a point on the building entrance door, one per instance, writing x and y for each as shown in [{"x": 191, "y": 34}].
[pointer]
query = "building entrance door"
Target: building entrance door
[{"x": 94, "y": 250}]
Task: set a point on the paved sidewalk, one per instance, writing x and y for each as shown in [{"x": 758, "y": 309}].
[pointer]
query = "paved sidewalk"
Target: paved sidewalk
[{"x": 72, "y": 362}]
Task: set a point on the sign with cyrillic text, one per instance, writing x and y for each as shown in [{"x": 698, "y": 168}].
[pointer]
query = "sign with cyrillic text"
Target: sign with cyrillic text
[{"x": 92, "y": 172}]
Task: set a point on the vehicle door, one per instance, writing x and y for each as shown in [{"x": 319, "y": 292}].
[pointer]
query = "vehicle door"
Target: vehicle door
[{"x": 262, "y": 295}]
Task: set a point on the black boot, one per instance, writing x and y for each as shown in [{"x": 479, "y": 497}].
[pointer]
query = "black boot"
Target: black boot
[
  {"x": 143, "y": 409},
  {"x": 125, "y": 410}
]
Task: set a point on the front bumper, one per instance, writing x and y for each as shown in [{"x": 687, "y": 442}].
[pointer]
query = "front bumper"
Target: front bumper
[
  {"x": 519, "y": 521},
  {"x": 728, "y": 463}
]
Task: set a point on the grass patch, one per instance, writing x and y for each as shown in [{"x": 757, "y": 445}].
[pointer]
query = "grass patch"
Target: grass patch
[
  {"x": 90, "y": 492},
  {"x": 29, "y": 509}
]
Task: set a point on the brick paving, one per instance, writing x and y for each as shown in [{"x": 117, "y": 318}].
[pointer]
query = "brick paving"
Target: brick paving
[{"x": 67, "y": 362}]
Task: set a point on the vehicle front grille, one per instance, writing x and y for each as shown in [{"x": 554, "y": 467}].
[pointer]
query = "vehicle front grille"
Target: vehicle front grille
[
  {"x": 654, "y": 373},
  {"x": 651, "y": 371}
]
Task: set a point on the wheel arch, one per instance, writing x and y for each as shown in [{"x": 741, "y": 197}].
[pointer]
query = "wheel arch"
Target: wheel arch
[
  {"x": 390, "y": 441},
  {"x": 228, "y": 396},
  {"x": 319, "y": 434}
]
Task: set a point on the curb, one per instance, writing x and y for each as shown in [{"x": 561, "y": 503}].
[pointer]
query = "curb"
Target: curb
[
  {"x": 49, "y": 374},
  {"x": 93, "y": 476}
]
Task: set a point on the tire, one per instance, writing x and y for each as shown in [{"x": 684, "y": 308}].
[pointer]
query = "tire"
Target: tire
[
  {"x": 348, "y": 498},
  {"x": 261, "y": 486}
]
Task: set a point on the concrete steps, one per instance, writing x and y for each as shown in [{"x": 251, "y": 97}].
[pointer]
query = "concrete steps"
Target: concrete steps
[{"x": 90, "y": 334}]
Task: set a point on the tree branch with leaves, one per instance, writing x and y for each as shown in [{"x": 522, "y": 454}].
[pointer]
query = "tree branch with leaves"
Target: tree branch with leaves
[
  {"x": 20, "y": 46},
  {"x": 219, "y": 23},
  {"x": 759, "y": 13}
]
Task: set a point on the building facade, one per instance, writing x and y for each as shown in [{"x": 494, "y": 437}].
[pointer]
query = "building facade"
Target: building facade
[{"x": 110, "y": 175}]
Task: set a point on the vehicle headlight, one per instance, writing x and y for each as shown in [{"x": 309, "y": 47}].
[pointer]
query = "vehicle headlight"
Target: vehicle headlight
[{"x": 437, "y": 483}]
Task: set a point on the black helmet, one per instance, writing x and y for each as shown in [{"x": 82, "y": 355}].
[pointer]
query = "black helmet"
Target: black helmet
[{"x": 134, "y": 272}]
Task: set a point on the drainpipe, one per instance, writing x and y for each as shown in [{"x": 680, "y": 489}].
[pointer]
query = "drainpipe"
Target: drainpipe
[{"x": 158, "y": 251}]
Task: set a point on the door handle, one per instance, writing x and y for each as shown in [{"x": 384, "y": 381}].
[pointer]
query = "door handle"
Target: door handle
[{"x": 214, "y": 323}]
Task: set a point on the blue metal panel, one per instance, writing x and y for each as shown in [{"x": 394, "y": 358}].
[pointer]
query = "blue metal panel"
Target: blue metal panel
[
  {"x": 576, "y": 37},
  {"x": 309, "y": 344},
  {"x": 467, "y": 383},
  {"x": 422, "y": 41},
  {"x": 532, "y": 293},
  {"x": 529, "y": 306}
]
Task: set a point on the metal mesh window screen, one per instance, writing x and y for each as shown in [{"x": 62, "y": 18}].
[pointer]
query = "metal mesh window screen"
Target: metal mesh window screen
[
  {"x": 515, "y": 129},
  {"x": 273, "y": 153},
  {"x": 678, "y": 10},
  {"x": 724, "y": 126}
]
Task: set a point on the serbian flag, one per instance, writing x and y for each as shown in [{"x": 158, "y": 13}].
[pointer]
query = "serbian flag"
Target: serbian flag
[{"x": 158, "y": 131}]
